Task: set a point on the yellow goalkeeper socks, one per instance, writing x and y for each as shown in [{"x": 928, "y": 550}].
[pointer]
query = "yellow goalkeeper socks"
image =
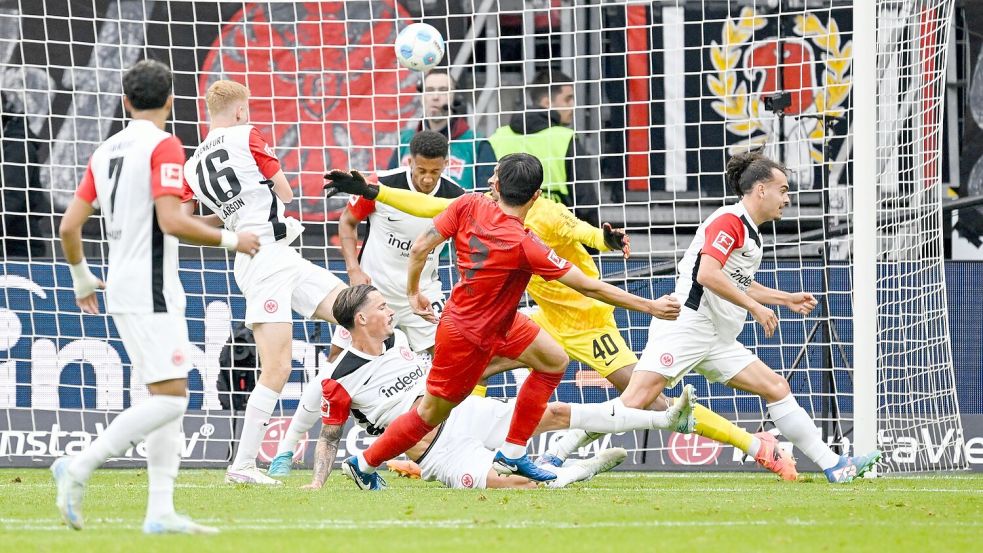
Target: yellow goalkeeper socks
[
  {"x": 479, "y": 391},
  {"x": 713, "y": 426}
]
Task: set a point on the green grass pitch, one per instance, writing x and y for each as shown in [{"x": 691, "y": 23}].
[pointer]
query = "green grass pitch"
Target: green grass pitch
[{"x": 630, "y": 512}]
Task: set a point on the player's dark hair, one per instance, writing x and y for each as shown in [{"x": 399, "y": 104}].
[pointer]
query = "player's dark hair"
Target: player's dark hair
[
  {"x": 547, "y": 82},
  {"x": 147, "y": 84},
  {"x": 348, "y": 302},
  {"x": 429, "y": 144},
  {"x": 520, "y": 175},
  {"x": 746, "y": 169}
]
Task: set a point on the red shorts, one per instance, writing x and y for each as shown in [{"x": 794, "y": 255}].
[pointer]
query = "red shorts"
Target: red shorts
[{"x": 458, "y": 363}]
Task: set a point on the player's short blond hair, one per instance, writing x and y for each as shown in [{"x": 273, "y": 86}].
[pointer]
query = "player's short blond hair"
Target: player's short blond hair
[{"x": 223, "y": 94}]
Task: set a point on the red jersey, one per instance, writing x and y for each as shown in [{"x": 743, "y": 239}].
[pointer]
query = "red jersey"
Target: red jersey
[{"x": 496, "y": 257}]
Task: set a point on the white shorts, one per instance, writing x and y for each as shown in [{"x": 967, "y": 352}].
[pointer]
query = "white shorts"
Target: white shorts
[
  {"x": 278, "y": 280},
  {"x": 462, "y": 452},
  {"x": 691, "y": 343},
  {"x": 421, "y": 334},
  {"x": 157, "y": 344}
]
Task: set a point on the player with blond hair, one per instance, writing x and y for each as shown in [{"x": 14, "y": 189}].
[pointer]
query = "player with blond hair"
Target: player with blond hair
[{"x": 236, "y": 174}]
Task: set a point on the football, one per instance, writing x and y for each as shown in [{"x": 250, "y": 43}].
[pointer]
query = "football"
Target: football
[{"x": 419, "y": 47}]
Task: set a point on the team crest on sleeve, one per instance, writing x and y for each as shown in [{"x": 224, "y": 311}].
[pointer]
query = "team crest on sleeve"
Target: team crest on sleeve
[
  {"x": 271, "y": 306},
  {"x": 666, "y": 359},
  {"x": 723, "y": 242},
  {"x": 177, "y": 358},
  {"x": 467, "y": 480},
  {"x": 171, "y": 175},
  {"x": 345, "y": 335},
  {"x": 556, "y": 259},
  {"x": 324, "y": 406}
]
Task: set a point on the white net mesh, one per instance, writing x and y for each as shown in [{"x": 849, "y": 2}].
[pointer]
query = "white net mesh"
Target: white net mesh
[{"x": 664, "y": 93}]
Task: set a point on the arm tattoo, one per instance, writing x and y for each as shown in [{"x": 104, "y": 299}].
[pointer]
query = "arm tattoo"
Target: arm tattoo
[
  {"x": 327, "y": 450},
  {"x": 432, "y": 232}
]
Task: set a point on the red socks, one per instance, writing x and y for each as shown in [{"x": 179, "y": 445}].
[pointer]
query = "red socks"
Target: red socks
[
  {"x": 531, "y": 404},
  {"x": 402, "y": 434}
]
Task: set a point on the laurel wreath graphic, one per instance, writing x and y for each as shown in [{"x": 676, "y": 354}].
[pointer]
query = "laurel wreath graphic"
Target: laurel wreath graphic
[{"x": 742, "y": 111}]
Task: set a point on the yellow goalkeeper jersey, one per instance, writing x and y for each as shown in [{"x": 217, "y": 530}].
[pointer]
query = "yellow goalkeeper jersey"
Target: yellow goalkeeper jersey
[{"x": 568, "y": 311}]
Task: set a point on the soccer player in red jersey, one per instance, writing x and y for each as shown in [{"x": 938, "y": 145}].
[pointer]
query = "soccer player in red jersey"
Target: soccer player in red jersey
[{"x": 496, "y": 259}]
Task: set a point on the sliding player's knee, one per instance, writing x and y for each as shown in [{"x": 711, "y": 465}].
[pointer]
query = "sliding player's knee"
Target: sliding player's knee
[
  {"x": 774, "y": 389},
  {"x": 555, "y": 361},
  {"x": 434, "y": 410}
]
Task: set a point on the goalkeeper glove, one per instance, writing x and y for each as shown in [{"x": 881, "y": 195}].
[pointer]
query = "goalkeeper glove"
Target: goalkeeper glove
[
  {"x": 349, "y": 183},
  {"x": 615, "y": 239}
]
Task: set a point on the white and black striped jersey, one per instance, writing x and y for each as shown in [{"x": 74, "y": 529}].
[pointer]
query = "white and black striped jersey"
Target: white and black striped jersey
[
  {"x": 230, "y": 173},
  {"x": 124, "y": 176},
  {"x": 730, "y": 236},
  {"x": 375, "y": 389},
  {"x": 386, "y": 251}
]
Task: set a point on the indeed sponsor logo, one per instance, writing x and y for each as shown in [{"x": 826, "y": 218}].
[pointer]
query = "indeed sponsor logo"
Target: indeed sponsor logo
[
  {"x": 402, "y": 383},
  {"x": 401, "y": 245},
  {"x": 742, "y": 280}
]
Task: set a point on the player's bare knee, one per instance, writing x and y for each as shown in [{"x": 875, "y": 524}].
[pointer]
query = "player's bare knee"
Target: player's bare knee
[{"x": 775, "y": 389}]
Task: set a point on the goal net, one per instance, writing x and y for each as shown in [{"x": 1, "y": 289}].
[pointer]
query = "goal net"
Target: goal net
[{"x": 663, "y": 94}]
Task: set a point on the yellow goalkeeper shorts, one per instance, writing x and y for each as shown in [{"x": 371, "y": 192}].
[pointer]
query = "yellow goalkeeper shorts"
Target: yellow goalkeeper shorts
[{"x": 603, "y": 349}]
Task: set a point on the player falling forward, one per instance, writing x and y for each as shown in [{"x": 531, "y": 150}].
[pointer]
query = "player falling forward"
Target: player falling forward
[
  {"x": 496, "y": 257},
  {"x": 378, "y": 378},
  {"x": 235, "y": 173},
  {"x": 584, "y": 327},
  {"x": 383, "y": 262},
  {"x": 716, "y": 284},
  {"x": 136, "y": 176}
]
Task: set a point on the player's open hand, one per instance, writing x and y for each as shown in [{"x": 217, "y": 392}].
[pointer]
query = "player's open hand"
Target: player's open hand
[
  {"x": 616, "y": 239},
  {"x": 767, "y": 318},
  {"x": 801, "y": 302},
  {"x": 248, "y": 243},
  {"x": 422, "y": 307},
  {"x": 90, "y": 304},
  {"x": 350, "y": 183},
  {"x": 357, "y": 276},
  {"x": 667, "y": 307}
]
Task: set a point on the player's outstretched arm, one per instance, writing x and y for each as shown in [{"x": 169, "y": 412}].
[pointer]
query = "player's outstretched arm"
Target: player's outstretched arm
[
  {"x": 801, "y": 302},
  {"x": 324, "y": 455},
  {"x": 422, "y": 246},
  {"x": 175, "y": 220},
  {"x": 665, "y": 307},
  {"x": 711, "y": 276},
  {"x": 281, "y": 187},
  {"x": 407, "y": 201},
  {"x": 83, "y": 281}
]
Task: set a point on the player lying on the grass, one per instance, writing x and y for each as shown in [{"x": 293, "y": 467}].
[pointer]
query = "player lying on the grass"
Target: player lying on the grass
[
  {"x": 383, "y": 262},
  {"x": 716, "y": 283},
  {"x": 584, "y": 327},
  {"x": 379, "y": 378},
  {"x": 135, "y": 178},
  {"x": 235, "y": 173},
  {"x": 496, "y": 257}
]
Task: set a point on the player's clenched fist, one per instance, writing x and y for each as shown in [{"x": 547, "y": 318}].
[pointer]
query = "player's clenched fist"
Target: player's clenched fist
[
  {"x": 767, "y": 318},
  {"x": 248, "y": 243},
  {"x": 666, "y": 307},
  {"x": 616, "y": 239},
  {"x": 801, "y": 302}
]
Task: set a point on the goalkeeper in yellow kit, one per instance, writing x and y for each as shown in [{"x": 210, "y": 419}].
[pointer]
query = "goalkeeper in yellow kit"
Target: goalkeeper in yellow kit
[{"x": 584, "y": 327}]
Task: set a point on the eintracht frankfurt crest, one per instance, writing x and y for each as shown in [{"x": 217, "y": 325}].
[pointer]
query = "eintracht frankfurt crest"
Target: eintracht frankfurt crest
[{"x": 815, "y": 75}]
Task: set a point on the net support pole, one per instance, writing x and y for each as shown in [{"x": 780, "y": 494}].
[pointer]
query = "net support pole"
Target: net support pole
[{"x": 865, "y": 225}]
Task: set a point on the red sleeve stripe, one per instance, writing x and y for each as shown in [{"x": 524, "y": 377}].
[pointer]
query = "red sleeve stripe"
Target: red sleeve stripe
[
  {"x": 87, "y": 188},
  {"x": 167, "y": 169},
  {"x": 723, "y": 235},
  {"x": 266, "y": 160}
]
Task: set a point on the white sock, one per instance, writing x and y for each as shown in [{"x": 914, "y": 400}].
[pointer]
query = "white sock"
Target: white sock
[
  {"x": 304, "y": 418},
  {"x": 612, "y": 416},
  {"x": 512, "y": 451},
  {"x": 755, "y": 446},
  {"x": 259, "y": 409},
  {"x": 796, "y": 425},
  {"x": 164, "y": 447},
  {"x": 126, "y": 431},
  {"x": 573, "y": 440},
  {"x": 364, "y": 465}
]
